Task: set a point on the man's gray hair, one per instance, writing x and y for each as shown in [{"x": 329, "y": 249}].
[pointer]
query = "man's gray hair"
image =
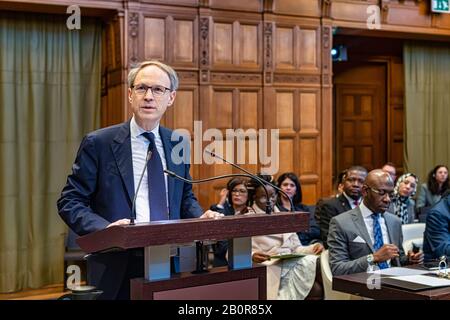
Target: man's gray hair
[{"x": 164, "y": 67}]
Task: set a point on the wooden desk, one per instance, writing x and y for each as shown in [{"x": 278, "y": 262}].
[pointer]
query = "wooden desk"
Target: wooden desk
[{"x": 357, "y": 284}]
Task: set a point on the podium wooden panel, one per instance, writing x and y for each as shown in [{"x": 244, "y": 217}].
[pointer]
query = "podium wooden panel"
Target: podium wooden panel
[{"x": 157, "y": 237}]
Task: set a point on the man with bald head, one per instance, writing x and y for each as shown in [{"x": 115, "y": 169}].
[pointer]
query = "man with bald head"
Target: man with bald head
[{"x": 368, "y": 235}]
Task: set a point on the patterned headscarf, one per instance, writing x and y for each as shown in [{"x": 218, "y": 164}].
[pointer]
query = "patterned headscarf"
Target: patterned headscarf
[{"x": 401, "y": 203}]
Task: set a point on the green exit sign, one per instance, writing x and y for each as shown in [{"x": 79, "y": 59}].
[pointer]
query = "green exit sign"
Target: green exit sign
[{"x": 440, "y": 6}]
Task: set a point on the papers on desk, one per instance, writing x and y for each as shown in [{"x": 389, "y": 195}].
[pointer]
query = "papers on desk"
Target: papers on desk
[
  {"x": 429, "y": 281},
  {"x": 398, "y": 271}
]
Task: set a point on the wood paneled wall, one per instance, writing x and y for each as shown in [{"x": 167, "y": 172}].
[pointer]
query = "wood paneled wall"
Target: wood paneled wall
[
  {"x": 252, "y": 69},
  {"x": 262, "y": 64}
]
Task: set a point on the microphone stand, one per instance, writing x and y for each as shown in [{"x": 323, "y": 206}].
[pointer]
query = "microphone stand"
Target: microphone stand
[
  {"x": 199, "y": 244},
  {"x": 260, "y": 181},
  {"x": 133, "y": 207},
  {"x": 255, "y": 177}
]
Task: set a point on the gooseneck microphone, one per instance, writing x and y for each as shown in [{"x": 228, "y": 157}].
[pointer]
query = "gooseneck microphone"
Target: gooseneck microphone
[
  {"x": 173, "y": 174},
  {"x": 261, "y": 181},
  {"x": 133, "y": 206}
]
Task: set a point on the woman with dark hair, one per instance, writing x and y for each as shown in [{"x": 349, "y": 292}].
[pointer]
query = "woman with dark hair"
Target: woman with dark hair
[
  {"x": 432, "y": 191},
  {"x": 402, "y": 204},
  {"x": 289, "y": 183},
  {"x": 236, "y": 202},
  {"x": 292, "y": 278}
]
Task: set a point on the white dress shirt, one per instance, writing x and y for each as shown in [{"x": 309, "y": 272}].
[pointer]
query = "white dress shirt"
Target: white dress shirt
[
  {"x": 368, "y": 220},
  {"x": 139, "y": 147}
]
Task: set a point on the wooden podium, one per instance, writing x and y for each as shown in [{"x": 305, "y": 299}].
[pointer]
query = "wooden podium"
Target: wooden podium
[{"x": 240, "y": 281}]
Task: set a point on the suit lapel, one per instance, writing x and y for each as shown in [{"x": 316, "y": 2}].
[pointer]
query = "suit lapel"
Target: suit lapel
[
  {"x": 344, "y": 203},
  {"x": 361, "y": 227},
  {"x": 121, "y": 149}
]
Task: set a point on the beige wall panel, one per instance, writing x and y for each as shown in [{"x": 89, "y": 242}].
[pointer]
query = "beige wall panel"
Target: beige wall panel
[
  {"x": 248, "y": 110},
  {"x": 308, "y": 164},
  {"x": 285, "y": 110},
  {"x": 154, "y": 38},
  {"x": 308, "y": 111},
  {"x": 223, "y": 43},
  {"x": 308, "y": 49},
  {"x": 408, "y": 17},
  {"x": 297, "y": 7},
  {"x": 310, "y": 195},
  {"x": 349, "y": 11},
  {"x": 284, "y": 48},
  {"x": 286, "y": 155},
  {"x": 221, "y": 111},
  {"x": 248, "y": 156},
  {"x": 247, "y": 5},
  {"x": 249, "y": 45},
  {"x": 184, "y": 110},
  {"x": 184, "y": 41}
]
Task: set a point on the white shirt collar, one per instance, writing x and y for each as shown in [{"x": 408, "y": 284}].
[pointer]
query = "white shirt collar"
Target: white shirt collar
[
  {"x": 350, "y": 200},
  {"x": 136, "y": 130},
  {"x": 366, "y": 212}
]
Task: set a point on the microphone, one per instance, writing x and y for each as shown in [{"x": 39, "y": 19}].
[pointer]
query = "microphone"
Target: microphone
[
  {"x": 133, "y": 206},
  {"x": 174, "y": 175},
  {"x": 261, "y": 181}
]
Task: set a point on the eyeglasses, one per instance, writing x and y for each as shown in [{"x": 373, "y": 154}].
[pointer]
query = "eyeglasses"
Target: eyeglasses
[
  {"x": 239, "y": 191},
  {"x": 157, "y": 90},
  {"x": 382, "y": 192}
]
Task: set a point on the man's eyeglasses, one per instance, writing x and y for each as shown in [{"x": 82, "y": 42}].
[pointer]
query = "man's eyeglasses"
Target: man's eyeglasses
[
  {"x": 157, "y": 90},
  {"x": 239, "y": 191},
  {"x": 382, "y": 192}
]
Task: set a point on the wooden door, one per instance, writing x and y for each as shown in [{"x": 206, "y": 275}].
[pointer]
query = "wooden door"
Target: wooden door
[{"x": 360, "y": 100}]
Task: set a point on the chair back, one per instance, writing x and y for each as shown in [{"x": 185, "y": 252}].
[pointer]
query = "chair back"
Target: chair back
[
  {"x": 327, "y": 278},
  {"x": 413, "y": 231}
]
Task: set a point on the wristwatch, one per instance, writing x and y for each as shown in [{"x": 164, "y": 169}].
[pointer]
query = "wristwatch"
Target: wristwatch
[{"x": 370, "y": 260}]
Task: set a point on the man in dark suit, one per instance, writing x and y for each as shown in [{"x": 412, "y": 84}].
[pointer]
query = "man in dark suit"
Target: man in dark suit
[
  {"x": 349, "y": 199},
  {"x": 436, "y": 238},
  {"x": 368, "y": 235},
  {"x": 100, "y": 190}
]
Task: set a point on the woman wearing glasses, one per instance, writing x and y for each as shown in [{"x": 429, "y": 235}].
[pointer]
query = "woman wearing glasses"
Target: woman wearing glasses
[
  {"x": 234, "y": 201},
  {"x": 287, "y": 279}
]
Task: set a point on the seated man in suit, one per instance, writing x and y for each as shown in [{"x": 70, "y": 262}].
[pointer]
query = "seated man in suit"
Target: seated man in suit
[
  {"x": 99, "y": 193},
  {"x": 436, "y": 238},
  {"x": 349, "y": 199},
  {"x": 368, "y": 235}
]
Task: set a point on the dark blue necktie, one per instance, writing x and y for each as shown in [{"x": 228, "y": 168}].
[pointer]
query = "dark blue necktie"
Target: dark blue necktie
[
  {"x": 378, "y": 238},
  {"x": 156, "y": 183}
]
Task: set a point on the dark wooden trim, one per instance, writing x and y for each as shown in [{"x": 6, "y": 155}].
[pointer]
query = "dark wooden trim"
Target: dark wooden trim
[
  {"x": 142, "y": 289},
  {"x": 356, "y": 284},
  {"x": 189, "y": 230}
]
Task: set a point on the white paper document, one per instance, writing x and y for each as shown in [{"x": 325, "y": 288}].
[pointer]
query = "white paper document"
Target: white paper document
[
  {"x": 398, "y": 271},
  {"x": 425, "y": 280}
]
